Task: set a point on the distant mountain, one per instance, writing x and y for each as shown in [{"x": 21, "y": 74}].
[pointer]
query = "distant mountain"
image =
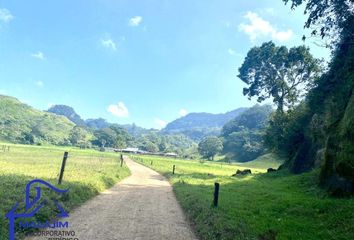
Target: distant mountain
[
  {"x": 94, "y": 123},
  {"x": 194, "y": 125},
  {"x": 97, "y": 123},
  {"x": 22, "y": 123},
  {"x": 68, "y": 112},
  {"x": 132, "y": 129},
  {"x": 199, "y": 125}
]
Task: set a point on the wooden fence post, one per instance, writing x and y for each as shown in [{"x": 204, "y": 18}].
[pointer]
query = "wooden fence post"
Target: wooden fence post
[
  {"x": 121, "y": 160},
  {"x": 174, "y": 168},
  {"x": 62, "y": 167},
  {"x": 216, "y": 194}
]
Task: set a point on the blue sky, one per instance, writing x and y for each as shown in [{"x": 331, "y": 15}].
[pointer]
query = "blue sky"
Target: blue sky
[{"x": 147, "y": 62}]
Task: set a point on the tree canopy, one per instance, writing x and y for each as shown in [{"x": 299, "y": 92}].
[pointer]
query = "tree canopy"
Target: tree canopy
[
  {"x": 326, "y": 18},
  {"x": 209, "y": 147},
  {"x": 279, "y": 73}
]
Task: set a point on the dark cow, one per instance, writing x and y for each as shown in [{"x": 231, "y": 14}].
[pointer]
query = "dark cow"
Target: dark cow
[{"x": 242, "y": 172}]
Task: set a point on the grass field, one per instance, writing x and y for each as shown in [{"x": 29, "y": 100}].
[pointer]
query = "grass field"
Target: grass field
[
  {"x": 87, "y": 173},
  {"x": 261, "y": 206}
]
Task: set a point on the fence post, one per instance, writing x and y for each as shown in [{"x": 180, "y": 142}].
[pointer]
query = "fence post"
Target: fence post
[
  {"x": 173, "y": 170},
  {"x": 151, "y": 163},
  {"x": 216, "y": 194},
  {"x": 121, "y": 160},
  {"x": 62, "y": 167}
]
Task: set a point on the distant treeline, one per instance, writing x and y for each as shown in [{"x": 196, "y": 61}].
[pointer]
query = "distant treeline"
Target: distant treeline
[{"x": 20, "y": 123}]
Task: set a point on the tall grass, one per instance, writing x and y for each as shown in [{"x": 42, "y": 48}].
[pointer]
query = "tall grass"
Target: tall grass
[{"x": 87, "y": 173}]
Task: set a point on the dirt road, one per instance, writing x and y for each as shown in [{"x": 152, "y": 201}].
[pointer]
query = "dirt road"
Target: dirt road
[{"x": 141, "y": 206}]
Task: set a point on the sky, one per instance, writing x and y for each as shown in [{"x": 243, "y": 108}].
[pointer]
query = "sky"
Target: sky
[{"x": 146, "y": 62}]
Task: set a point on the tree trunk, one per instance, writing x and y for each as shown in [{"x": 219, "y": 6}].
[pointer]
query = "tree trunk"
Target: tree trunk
[{"x": 280, "y": 105}]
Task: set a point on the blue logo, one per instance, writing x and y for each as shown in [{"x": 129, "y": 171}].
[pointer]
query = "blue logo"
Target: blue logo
[{"x": 12, "y": 216}]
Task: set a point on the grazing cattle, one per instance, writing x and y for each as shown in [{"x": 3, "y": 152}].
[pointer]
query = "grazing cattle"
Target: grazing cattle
[
  {"x": 271, "y": 170},
  {"x": 242, "y": 172}
]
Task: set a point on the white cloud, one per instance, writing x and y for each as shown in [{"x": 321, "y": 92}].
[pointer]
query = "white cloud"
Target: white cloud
[
  {"x": 183, "y": 112},
  {"x": 258, "y": 27},
  {"x": 283, "y": 36},
  {"x": 39, "y": 55},
  {"x": 119, "y": 110},
  {"x": 39, "y": 83},
  {"x": 135, "y": 21},
  {"x": 160, "y": 123},
  {"x": 109, "y": 43},
  {"x": 5, "y": 15}
]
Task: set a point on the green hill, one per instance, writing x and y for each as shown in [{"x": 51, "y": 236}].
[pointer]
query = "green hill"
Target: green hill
[
  {"x": 21, "y": 123},
  {"x": 199, "y": 125}
]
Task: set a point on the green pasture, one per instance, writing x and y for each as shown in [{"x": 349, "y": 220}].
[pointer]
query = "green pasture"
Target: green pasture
[
  {"x": 263, "y": 205},
  {"x": 87, "y": 173}
]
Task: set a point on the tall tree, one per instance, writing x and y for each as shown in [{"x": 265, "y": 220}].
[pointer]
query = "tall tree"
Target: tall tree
[
  {"x": 122, "y": 137},
  {"x": 209, "y": 147},
  {"x": 79, "y": 136},
  {"x": 278, "y": 72},
  {"x": 105, "y": 137}
]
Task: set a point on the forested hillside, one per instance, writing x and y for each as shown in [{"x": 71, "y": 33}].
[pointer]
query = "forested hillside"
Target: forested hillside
[
  {"x": 314, "y": 121},
  {"x": 243, "y": 137},
  {"x": 327, "y": 116},
  {"x": 95, "y": 124},
  {"x": 22, "y": 123},
  {"x": 200, "y": 125}
]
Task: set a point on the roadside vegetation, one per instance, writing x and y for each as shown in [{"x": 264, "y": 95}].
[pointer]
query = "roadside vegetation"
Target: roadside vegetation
[
  {"x": 276, "y": 205},
  {"x": 87, "y": 173}
]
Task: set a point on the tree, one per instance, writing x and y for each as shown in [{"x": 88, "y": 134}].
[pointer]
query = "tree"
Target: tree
[
  {"x": 327, "y": 18},
  {"x": 105, "y": 137},
  {"x": 121, "y": 136},
  {"x": 244, "y": 145},
  {"x": 150, "y": 146},
  {"x": 78, "y": 136},
  {"x": 209, "y": 147},
  {"x": 278, "y": 72}
]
